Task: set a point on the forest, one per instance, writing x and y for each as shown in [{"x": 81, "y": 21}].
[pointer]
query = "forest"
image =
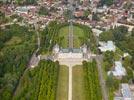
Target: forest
[{"x": 17, "y": 44}]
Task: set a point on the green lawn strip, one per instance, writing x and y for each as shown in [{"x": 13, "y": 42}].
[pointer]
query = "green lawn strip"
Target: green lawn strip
[
  {"x": 78, "y": 83},
  {"x": 62, "y": 89},
  {"x": 63, "y": 34}
]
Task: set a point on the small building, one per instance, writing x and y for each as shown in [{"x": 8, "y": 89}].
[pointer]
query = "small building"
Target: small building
[
  {"x": 109, "y": 46},
  {"x": 79, "y": 13},
  {"x": 126, "y": 93},
  {"x": 97, "y": 31},
  {"x": 25, "y": 10},
  {"x": 118, "y": 70}
]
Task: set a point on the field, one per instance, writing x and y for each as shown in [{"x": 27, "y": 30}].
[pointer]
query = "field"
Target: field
[
  {"x": 62, "y": 89},
  {"x": 78, "y": 33},
  {"x": 78, "y": 83}
]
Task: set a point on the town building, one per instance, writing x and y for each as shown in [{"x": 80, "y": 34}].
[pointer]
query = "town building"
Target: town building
[
  {"x": 125, "y": 92},
  {"x": 118, "y": 70},
  {"x": 109, "y": 46}
]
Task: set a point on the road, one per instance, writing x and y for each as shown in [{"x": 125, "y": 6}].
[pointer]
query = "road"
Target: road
[
  {"x": 99, "y": 60},
  {"x": 70, "y": 39},
  {"x": 11, "y": 23}
]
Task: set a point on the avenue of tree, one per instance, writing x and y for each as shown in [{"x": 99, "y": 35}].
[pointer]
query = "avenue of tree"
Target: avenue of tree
[
  {"x": 91, "y": 80},
  {"x": 39, "y": 83}
]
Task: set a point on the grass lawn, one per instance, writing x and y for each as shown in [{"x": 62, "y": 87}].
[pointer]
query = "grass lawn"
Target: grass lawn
[
  {"x": 78, "y": 83},
  {"x": 78, "y": 32},
  {"x": 62, "y": 91},
  {"x": 14, "y": 41}
]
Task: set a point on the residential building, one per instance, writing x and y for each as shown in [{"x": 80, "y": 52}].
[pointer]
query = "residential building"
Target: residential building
[
  {"x": 109, "y": 46},
  {"x": 118, "y": 70}
]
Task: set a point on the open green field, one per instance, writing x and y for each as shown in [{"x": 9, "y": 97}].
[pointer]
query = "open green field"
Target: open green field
[
  {"x": 78, "y": 83},
  {"x": 78, "y": 33},
  {"x": 62, "y": 90}
]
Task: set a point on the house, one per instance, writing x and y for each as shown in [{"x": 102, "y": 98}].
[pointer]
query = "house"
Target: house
[
  {"x": 126, "y": 93},
  {"x": 109, "y": 46},
  {"x": 79, "y": 13},
  {"x": 97, "y": 31},
  {"x": 119, "y": 70}
]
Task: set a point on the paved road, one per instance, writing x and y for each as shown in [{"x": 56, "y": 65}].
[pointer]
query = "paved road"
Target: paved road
[
  {"x": 101, "y": 78},
  {"x": 11, "y": 23},
  {"x": 99, "y": 60}
]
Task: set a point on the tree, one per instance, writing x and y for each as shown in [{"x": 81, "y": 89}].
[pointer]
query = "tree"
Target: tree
[
  {"x": 95, "y": 17},
  {"x": 106, "y": 36},
  {"x": 110, "y": 81},
  {"x": 67, "y": 14},
  {"x": 43, "y": 11},
  {"x": 108, "y": 56},
  {"x": 86, "y": 13},
  {"x": 120, "y": 33},
  {"x": 132, "y": 33},
  {"x": 106, "y": 2}
]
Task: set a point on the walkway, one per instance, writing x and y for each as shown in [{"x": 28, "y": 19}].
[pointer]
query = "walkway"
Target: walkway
[
  {"x": 70, "y": 62},
  {"x": 70, "y": 37},
  {"x": 70, "y": 83}
]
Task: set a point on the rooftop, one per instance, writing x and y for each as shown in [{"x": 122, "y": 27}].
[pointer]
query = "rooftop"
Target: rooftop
[
  {"x": 109, "y": 46},
  {"x": 126, "y": 91},
  {"x": 119, "y": 70}
]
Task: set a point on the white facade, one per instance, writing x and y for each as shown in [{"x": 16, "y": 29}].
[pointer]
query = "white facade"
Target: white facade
[
  {"x": 70, "y": 55},
  {"x": 76, "y": 53}
]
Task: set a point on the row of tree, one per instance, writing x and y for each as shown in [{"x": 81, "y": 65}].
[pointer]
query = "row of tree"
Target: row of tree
[
  {"x": 92, "y": 85},
  {"x": 40, "y": 83}
]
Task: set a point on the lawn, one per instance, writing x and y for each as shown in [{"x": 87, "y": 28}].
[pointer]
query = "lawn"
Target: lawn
[
  {"x": 14, "y": 41},
  {"x": 78, "y": 83},
  {"x": 62, "y": 91},
  {"x": 78, "y": 33}
]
